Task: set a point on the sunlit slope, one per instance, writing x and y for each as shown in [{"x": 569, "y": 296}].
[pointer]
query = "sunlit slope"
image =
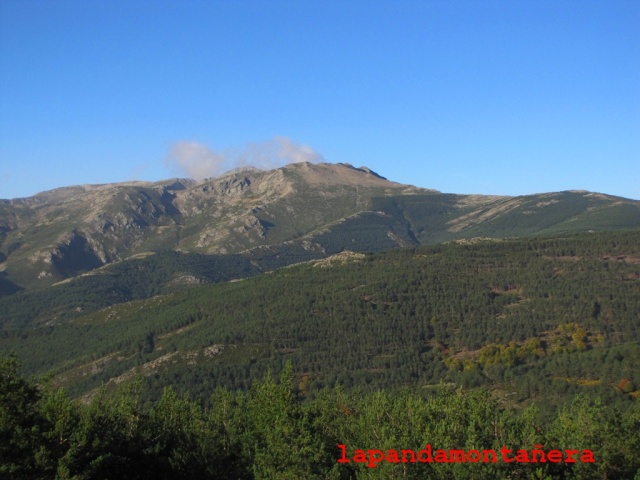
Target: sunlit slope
[
  {"x": 280, "y": 216},
  {"x": 65, "y": 232}
]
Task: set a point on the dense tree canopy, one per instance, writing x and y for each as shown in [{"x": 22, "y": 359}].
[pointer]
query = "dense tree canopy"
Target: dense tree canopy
[
  {"x": 272, "y": 432},
  {"x": 377, "y": 352}
]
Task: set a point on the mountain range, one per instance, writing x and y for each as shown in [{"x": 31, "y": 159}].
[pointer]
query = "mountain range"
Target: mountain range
[
  {"x": 268, "y": 219},
  {"x": 387, "y": 285}
]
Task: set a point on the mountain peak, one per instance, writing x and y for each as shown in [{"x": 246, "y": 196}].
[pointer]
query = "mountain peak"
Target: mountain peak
[
  {"x": 364, "y": 169},
  {"x": 345, "y": 174}
]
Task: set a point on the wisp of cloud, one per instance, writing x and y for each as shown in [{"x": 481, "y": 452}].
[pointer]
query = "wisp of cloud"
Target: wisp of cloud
[{"x": 198, "y": 161}]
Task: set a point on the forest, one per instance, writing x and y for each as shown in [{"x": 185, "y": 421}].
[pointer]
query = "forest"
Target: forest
[
  {"x": 535, "y": 319},
  {"x": 475, "y": 345},
  {"x": 272, "y": 432}
]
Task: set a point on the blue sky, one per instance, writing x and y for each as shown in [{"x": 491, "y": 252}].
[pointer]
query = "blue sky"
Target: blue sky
[{"x": 494, "y": 97}]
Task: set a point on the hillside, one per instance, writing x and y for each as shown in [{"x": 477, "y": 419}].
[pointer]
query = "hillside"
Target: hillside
[
  {"x": 532, "y": 318},
  {"x": 166, "y": 348},
  {"x": 274, "y": 218}
]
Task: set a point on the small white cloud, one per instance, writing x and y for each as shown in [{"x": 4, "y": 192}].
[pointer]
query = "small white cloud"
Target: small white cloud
[
  {"x": 294, "y": 153},
  {"x": 198, "y": 161},
  {"x": 195, "y": 160}
]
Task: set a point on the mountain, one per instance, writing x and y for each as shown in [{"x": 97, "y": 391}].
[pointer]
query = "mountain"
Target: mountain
[
  {"x": 182, "y": 283},
  {"x": 272, "y": 218}
]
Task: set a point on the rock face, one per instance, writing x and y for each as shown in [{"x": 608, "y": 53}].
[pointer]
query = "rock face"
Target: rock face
[{"x": 327, "y": 208}]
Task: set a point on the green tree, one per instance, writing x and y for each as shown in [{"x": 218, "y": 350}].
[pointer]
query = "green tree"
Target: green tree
[{"x": 280, "y": 442}]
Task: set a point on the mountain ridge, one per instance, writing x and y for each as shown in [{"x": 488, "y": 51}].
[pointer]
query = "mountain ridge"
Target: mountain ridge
[{"x": 299, "y": 210}]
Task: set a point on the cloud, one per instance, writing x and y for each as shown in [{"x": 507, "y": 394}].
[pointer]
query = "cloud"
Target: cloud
[
  {"x": 294, "y": 153},
  {"x": 196, "y": 160},
  {"x": 199, "y": 161}
]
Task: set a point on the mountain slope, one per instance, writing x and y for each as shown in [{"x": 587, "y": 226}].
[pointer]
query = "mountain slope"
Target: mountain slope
[
  {"x": 554, "y": 314},
  {"x": 276, "y": 217}
]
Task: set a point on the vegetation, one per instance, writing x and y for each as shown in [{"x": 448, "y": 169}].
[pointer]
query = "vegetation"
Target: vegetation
[
  {"x": 137, "y": 278},
  {"x": 537, "y": 320},
  {"x": 167, "y": 358},
  {"x": 271, "y": 432},
  {"x": 484, "y": 345}
]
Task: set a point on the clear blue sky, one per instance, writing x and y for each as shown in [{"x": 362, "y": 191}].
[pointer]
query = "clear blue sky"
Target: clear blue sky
[{"x": 495, "y": 97}]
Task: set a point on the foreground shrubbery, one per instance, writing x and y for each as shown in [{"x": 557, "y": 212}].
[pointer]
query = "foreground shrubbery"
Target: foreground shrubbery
[{"x": 271, "y": 432}]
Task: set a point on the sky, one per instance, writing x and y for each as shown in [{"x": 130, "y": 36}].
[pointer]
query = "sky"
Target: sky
[{"x": 507, "y": 97}]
